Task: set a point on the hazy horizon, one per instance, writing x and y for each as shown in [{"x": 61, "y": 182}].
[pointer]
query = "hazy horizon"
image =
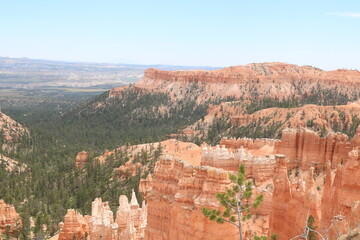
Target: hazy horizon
[{"x": 187, "y": 33}]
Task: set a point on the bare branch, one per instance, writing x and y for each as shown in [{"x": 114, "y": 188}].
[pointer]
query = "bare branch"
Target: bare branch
[{"x": 231, "y": 222}]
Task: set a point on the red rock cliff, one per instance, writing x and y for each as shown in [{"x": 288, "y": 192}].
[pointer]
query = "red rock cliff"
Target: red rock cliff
[
  {"x": 305, "y": 148},
  {"x": 176, "y": 197}
]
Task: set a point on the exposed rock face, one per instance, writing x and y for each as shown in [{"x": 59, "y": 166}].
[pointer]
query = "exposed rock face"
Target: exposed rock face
[
  {"x": 287, "y": 217},
  {"x": 326, "y": 187},
  {"x": 306, "y": 148},
  {"x": 127, "y": 170},
  {"x": 12, "y": 165},
  {"x": 329, "y": 118},
  {"x": 130, "y": 218},
  {"x": 260, "y": 168},
  {"x": 75, "y": 226},
  {"x": 264, "y": 72},
  {"x": 257, "y": 147},
  {"x": 9, "y": 218},
  {"x": 129, "y": 225},
  {"x": 81, "y": 159},
  {"x": 336, "y": 205},
  {"x": 266, "y": 79},
  {"x": 102, "y": 224},
  {"x": 179, "y": 192},
  {"x": 341, "y": 195},
  {"x": 11, "y": 132}
]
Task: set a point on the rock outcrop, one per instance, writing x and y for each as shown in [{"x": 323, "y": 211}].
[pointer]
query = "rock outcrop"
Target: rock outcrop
[
  {"x": 257, "y": 147},
  {"x": 127, "y": 170},
  {"x": 265, "y": 79},
  {"x": 12, "y": 165},
  {"x": 329, "y": 191},
  {"x": 260, "y": 168},
  {"x": 324, "y": 185},
  {"x": 9, "y": 219},
  {"x": 130, "y": 218},
  {"x": 261, "y": 72},
  {"x": 130, "y": 222},
  {"x": 11, "y": 132},
  {"x": 102, "y": 225},
  {"x": 75, "y": 226},
  {"x": 177, "y": 195},
  {"x": 81, "y": 159},
  {"x": 287, "y": 219},
  {"x": 306, "y": 148},
  {"x": 341, "y": 195}
]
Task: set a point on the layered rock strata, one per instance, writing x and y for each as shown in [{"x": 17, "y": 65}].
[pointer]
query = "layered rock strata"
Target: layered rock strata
[
  {"x": 306, "y": 148},
  {"x": 260, "y": 168},
  {"x": 275, "y": 80},
  {"x": 176, "y": 197}
]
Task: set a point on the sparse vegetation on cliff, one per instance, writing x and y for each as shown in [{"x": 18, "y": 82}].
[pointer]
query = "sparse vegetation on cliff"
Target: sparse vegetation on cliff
[{"x": 237, "y": 202}]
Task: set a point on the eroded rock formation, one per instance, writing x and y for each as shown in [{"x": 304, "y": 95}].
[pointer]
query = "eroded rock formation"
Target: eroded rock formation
[
  {"x": 75, "y": 226},
  {"x": 177, "y": 195},
  {"x": 130, "y": 222},
  {"x": 130, "y": 218},
  {"x": 306, "y": 148},
  {"x": 261, "y": 168},
  {"x": 81, "y": 159},
  {"x": 9, "y": 219},
  {"x": 325, "y": 185},
  {"x": 127, "y": 170}
]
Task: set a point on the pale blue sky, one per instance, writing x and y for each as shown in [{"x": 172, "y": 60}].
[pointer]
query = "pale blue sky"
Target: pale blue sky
[{"x": 322, "y": 33}]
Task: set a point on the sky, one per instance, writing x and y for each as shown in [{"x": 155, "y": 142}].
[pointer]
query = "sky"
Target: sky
[{"x": 321, "y": 33}]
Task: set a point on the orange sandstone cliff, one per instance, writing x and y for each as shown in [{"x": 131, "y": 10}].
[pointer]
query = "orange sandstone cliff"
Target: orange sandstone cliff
[
  {"x": 266, "y": 79},
  {"x": 311, "y": 176},
  {"x": 176, "y": 194}
]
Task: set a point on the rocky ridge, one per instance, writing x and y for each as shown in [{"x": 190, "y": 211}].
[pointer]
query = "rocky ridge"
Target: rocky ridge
[{"x": 266, "y": 79}]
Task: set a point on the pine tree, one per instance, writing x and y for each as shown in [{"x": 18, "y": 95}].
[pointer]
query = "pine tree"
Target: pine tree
[
  {"x": 236, "y": 201},
  {"x": 310, "y": 224}
]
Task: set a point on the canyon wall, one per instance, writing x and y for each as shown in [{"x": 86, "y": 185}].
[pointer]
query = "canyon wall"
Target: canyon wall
[
  {"x": 177, "y": 195},
  {"x": 306, "y": 148},
  {"x": 325, "y": 186}
]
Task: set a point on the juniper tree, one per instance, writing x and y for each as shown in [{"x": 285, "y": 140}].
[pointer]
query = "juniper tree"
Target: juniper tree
[{"x": 236, "y": 201}]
